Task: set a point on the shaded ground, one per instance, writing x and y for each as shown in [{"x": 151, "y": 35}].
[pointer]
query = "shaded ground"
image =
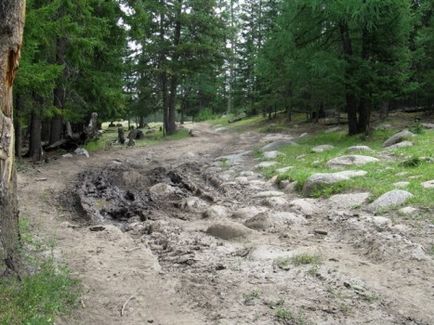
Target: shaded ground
[{"x": 161, "y": 255}]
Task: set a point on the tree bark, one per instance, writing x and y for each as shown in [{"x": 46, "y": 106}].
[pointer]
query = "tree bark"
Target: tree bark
[
  {"x": 171, "y": 125},
  {"x": 12, "y": 13},
  {"x": 351, "y": 100},
  {"x": 35, "y": 148},
  {"x": 163, "y": 72}
]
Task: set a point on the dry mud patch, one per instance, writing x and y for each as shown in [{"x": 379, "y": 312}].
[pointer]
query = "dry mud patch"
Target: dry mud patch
[{"x": 249, "y": 278}]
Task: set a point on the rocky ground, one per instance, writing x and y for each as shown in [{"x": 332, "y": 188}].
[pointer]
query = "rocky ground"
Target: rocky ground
[{"x": 189, "y": 232}]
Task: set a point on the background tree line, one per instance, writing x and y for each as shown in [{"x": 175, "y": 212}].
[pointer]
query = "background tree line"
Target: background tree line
[{"x": 199, "y": 58}]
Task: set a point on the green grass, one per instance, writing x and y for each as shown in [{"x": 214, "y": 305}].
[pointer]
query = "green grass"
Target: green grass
[
  {"x": 40, "y": 297},
  {"x": 251, "y": 296},
  {"x": 381, "y": 175},
  {"x": 286, "y": 316},
  {"x": 305, "y": 259},
  {"x": 110, "y": 135}
]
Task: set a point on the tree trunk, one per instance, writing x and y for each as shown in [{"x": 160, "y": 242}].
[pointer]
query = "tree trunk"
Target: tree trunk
[
  {"x": 141, "y": 122},
  {"x": 12, "y": 14},
  {"x": 171, "y": 125},
  {"x": 18, "y": 128},
  {"x": 35, "y": 147},
  {"x": 351, "y": 101},
  {"x": 163, "y": 72}
]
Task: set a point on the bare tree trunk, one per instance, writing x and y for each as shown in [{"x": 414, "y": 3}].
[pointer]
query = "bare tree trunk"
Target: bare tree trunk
[
  {"x": 351, "y": 101},
  {"x": 171, "y": 125},
  {"x": 12, "y": 14},
  {"x": 35, "y": 146},
  {"x": 163, "y": 72}
]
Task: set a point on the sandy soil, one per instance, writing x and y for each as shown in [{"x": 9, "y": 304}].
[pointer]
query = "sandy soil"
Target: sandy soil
[{"x": 169, "y": 265}]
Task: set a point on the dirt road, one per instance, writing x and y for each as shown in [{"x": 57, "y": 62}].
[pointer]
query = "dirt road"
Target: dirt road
[{"x": 191, "y": 237}]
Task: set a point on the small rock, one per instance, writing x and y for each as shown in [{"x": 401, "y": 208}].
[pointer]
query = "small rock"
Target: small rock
[
  {"x": 305, "y": 206},
  {"x": 403, "y": 144},
  {"x": 322, "y": 148},
  {"x": 272, "y": 154},
  {"x": 284, "y": 169},
  {"x": 428, "y": 185},
  {"x": 305, "y": 134},
  {"x": 408, "y": 211},
  {"x": 242, "y": 180},
  {"x": 274, "y": 202},
  {"x": 266, "y": 194},
  {"x": 428, "y": 125},
  {"x": 398, "y": 137},
  {"x": 82, "y": 152},
  {"x": 216, "y": 212},
  {"x": 351, "y": 160},
  {"x": 247, "y": 173},
  {"x": 277, "y": 144},
  {"x": 321, "y": 232},
  {"x": 350, "y": 200},
  {"x": 381, "y": 222},
  {"x": 162, "y": 189},
  {"x": 193, "y": 203},
  {"x": 221, "y": 129},
  {"x": 266, "y": 164},
  {"x": 390, "y": 199},
  {"x": 359, "y": 148},
  {"x": 97, "y": 228},
  {"x": 401, "y": 184},
  {"x": 67, "y": 155},
  {"x": 321, "y": 180},
  {"x": 228, "y": 230},
  {"x": 247, "y": 212},
  {"x": 334, "y": 129}
]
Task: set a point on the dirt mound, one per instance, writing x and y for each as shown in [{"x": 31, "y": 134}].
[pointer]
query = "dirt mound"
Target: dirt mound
[{"x": 123, "y": 192}]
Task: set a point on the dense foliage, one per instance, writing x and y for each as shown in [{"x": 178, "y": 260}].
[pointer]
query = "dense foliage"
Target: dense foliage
[{"x": 177, "y": 58}]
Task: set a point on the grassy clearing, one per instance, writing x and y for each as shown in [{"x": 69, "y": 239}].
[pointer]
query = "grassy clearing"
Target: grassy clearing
[
  {"x": 110, "y": 135},
  {"x": 407, "y": 165},
  {"x": 41, "y": 296}
]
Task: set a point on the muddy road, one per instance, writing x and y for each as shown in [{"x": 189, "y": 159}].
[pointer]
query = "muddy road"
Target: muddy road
[{"x": 189, "y": 232}]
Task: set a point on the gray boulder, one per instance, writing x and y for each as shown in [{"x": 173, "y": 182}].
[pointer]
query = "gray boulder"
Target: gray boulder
[
  {"x": 277, "y": 144},
  {"x": 322, "y": 148},
  {"x": 351, "y": 160},
  {"x": 228, "y": 230},
  {"x": 349, "y": 200},
  {"x": 266, "y": 194},
  {"x": 390, "y": 200},
  {"x": 398, "y": 137},
  {"x": 428, "y": 185},
  {"x": 359, "y": 148},
  {"x": 268, "y": 220},
  {"x": 272, "y": 154},
  {"x": 321, "y": 180},
  {"x": 248, "y": 212},
  {"x": 305, "y": 206},
  {"x": 216, "y": 212},
  {"x": 403, "y": 144},
  {"x": 265, "y": 164}
]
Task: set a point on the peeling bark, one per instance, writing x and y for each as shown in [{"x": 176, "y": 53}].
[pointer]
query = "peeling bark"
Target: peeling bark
[{"x": 12, "y": 14}]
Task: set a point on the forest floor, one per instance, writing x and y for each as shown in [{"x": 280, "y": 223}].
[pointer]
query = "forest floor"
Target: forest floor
[{"x": 190, "y": 232}]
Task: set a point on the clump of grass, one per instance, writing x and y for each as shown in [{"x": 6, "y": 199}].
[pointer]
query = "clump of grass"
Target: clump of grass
[
  {"x": 411, "y": 162},
  {"x": 40, "y": 297},
  {"x": 305, "y": 259},
  {"x": 251, "y": 296},
  {"x": 283, "y": 263},
  {"x": 286, "y": 316}
]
